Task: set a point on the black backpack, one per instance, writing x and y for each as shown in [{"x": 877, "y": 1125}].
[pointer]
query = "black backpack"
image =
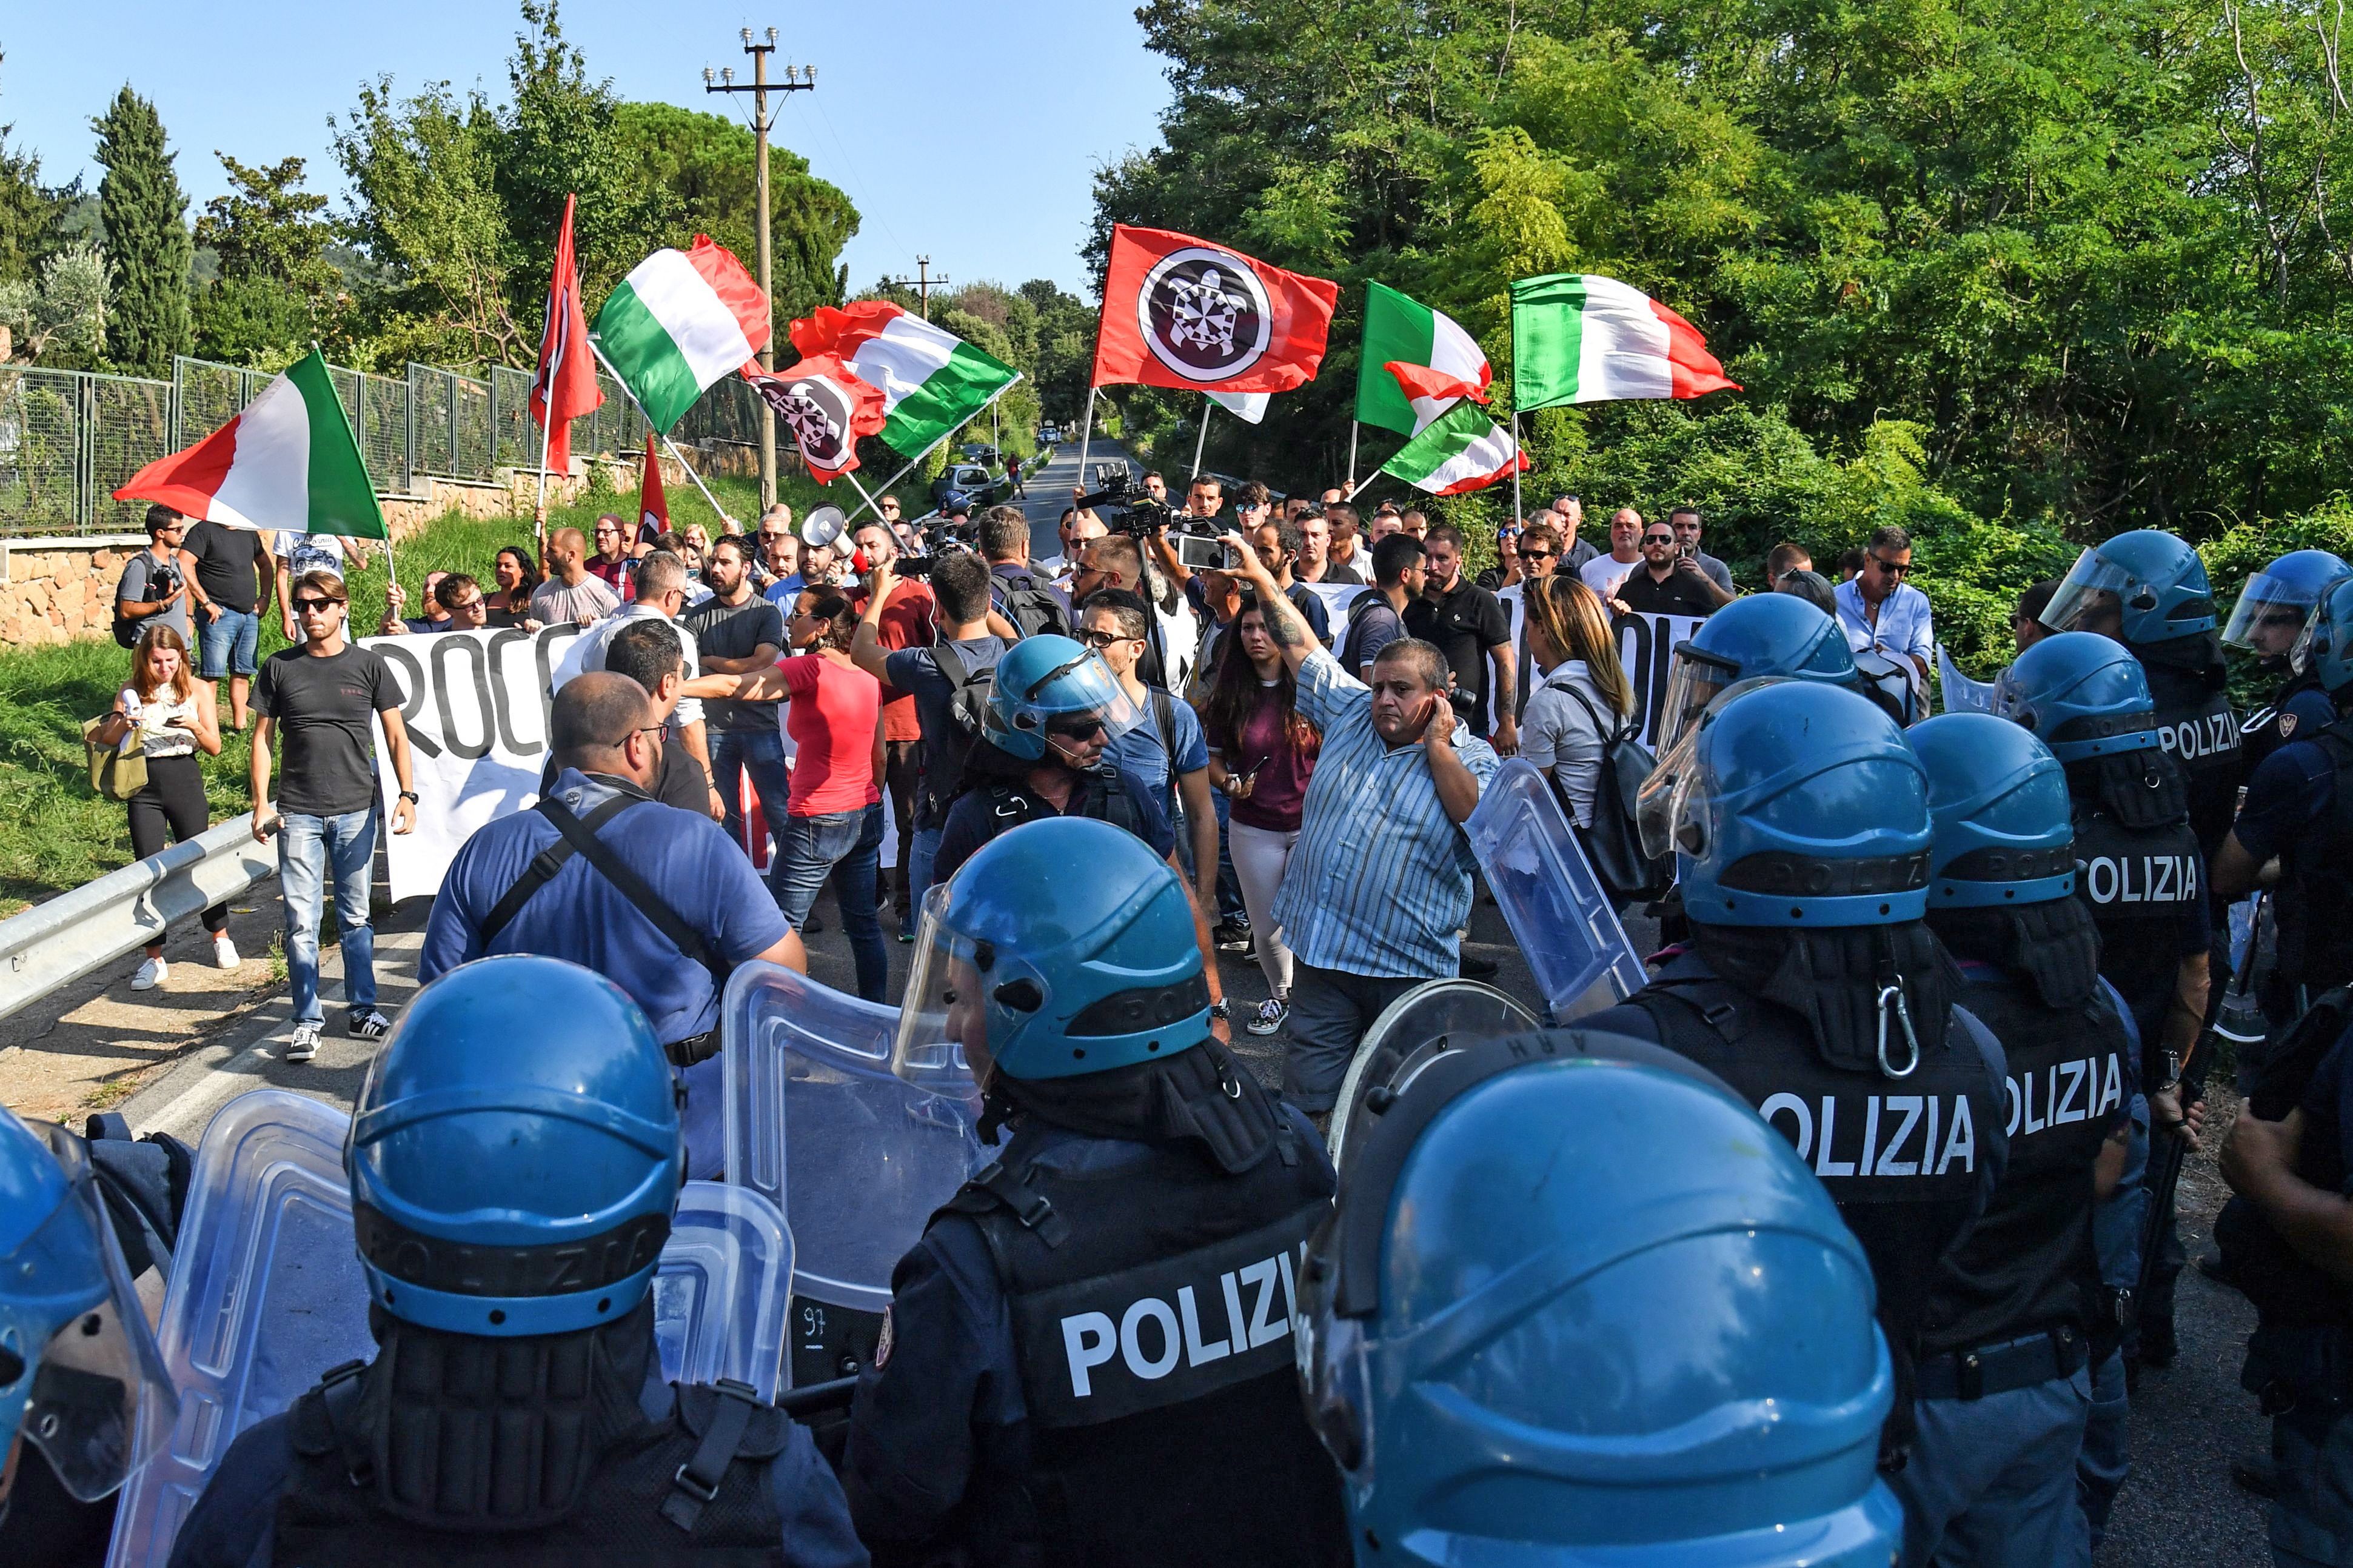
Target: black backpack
[
  {"x": 1033, "y": 610},
  {"x": 1614, "y": 842},
  {"x": 944, "y": 755}
]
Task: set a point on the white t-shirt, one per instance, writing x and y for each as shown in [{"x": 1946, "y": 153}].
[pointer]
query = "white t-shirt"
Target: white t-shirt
[
  {"x": 310, "y": 552},
  {"x": 1603, "y": 574}
]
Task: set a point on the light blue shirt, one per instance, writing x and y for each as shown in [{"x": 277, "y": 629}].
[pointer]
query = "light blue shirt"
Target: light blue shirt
[
  {"x": 1380, "y": 882},
  {"x": 1903, "y": 622}
]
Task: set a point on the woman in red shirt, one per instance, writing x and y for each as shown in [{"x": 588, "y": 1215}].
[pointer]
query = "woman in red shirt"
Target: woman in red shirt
[
  {"x": 832, "y": 712},
  {"x": 1262, "y": 754}
]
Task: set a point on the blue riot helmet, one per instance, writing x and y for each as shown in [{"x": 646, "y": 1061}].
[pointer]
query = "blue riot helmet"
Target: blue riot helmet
[
  {"x": 1060, "y": 947},
  {"x": 2004, "y": 832},
  {"x": 1057, "y": 689},
  {"x": 81, "y": 1378},
  {"x": 1762, "y": 635},
  {"x": 2145, "y": 586},
  {"x": 2082, "y": 696},
  {"x": 1576, "y": 1304},
  {"x": 520, "y": 1113},
  {"x": 1801, "y": 807},
  {"x": 2277, "y": 603},
  {"x": 2325, "y": 651}
]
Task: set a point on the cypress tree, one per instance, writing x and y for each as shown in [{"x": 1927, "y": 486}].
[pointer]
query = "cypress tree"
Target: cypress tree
[{"x": 145, "y": 214}]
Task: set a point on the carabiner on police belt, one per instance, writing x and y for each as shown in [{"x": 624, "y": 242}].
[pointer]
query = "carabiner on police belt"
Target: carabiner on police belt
[{"x": 1894, "y": 991}]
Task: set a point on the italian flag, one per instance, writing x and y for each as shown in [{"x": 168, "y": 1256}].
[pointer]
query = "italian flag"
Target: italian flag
[
  {"x": 679, "y": 322},
  {"x": 1577, "y": 338},
  {"x": 1460, "y": 450},
  {"x": 289, "y": 461},
  {"x": 931, "y": 380},
  {"x": 1400, "y": 331}
]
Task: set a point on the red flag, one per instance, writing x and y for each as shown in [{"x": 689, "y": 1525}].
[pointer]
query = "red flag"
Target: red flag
[
  {"x": 653, "y": 506},
  {"x": 565, "y": 386},
  {"x": 827, "y": 407},
  {"x": 1185, "y": 312}
]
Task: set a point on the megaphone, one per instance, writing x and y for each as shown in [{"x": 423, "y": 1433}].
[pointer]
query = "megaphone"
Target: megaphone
[{"x": 823, "y": 525}]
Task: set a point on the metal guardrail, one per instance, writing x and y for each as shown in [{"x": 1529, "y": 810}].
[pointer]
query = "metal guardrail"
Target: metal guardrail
[{"x": 58, "y": 942}]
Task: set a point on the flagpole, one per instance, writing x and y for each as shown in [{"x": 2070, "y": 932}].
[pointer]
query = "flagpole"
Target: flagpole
[
  {"x": 724, "y": 519},
  {"x": 1517, "y": 513},
  {"x": 862, "y": 496},
  {"x": 1202, "y": 439},
  {"x": 539, "y": 512},
  {"x": 1352, "y": 427},
  {"x": 944, "y": 436},
  {"x": 1086, "y": 435}
]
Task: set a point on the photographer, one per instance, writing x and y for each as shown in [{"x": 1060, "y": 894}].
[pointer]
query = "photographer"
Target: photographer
[
  {"x": 1277, "y": 545},
  {"x": 153, "y": 588}
]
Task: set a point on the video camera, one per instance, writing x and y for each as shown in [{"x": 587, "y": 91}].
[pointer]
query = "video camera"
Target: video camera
[{"x": 1140, "y": 515}]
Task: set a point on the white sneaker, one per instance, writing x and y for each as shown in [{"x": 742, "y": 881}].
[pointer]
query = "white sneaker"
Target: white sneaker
[
  {"x": 224, "y": 955},
  {"x": 305, "y": 1043},
  {"x": 151, "y": 974},
  {"x": 1270, "y": 1015}
]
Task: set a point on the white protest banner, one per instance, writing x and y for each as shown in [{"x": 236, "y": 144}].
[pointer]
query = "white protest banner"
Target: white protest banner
[
  {"x": 1646, "y": 646},
  {"x": 474, "y": 706},
  {"x": 1338, "y": 597}
]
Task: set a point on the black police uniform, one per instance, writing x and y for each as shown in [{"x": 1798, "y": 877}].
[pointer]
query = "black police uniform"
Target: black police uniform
[
  {"x": 2029, "y": 1267},
  {"x": 1088, "y": 1357},
  {"x": 2196, "y": 727},
  {"x": 2301, "y": 707},
  {"x": 995, "y": 798},
  {"x": 544, "y": 1452},
  {"x": 2139, "y": 870},
  {"x": 1910, "y": 1162},
  {"x": 2313, "y": 911}
]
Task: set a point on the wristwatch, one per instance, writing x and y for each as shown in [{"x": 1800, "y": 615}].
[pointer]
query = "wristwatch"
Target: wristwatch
[
  {"x": 1222, "y": 1009},
  {"x": 409, "y": 795}
]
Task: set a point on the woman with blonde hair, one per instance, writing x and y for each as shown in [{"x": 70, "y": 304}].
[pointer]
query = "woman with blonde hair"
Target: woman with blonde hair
[
  {"x": 1584, "y": 699},
  {"x": 176, "y": 718}
]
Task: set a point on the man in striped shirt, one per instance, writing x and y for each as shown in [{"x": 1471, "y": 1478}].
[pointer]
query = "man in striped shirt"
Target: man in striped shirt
[{"x": 1379, "y": 881}]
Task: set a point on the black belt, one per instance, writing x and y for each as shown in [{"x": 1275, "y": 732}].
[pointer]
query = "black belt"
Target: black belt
[
  {"x": 2000, "y": 1367},
  {"x": 692, "y": 1049}
]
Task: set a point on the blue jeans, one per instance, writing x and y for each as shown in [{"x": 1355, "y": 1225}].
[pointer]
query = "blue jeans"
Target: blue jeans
[
  {"x": 308, "y": 847},
  {"x": 846, "y": 845},
  {"x": 922, "y": 856},
  {"x": 229, "y": 644},
  {"x": 761, "y": 754}
]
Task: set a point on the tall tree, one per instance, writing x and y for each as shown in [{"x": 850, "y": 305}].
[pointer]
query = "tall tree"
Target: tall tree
[
  {"x": 276, "y": 290},
  {"x": 145, "y": 214}
]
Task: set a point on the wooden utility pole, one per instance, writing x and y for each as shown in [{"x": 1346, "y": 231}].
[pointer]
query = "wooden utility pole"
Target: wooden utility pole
[
  {"x": 801, "y": 80},
  {"x": 922, "y": 283}
]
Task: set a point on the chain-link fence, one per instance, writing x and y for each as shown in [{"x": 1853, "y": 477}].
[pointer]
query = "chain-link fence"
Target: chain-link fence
[{"x": 69, "y": 438}]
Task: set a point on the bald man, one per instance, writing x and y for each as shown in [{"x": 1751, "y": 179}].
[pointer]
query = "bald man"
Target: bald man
[{"x": 570, "y": 593}]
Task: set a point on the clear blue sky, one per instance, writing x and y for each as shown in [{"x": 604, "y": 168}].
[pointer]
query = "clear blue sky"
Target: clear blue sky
[{"x": 967, "y": 132}]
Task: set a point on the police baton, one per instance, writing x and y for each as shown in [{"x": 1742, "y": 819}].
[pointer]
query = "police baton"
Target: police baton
[{"x": 817, "y": 1398}]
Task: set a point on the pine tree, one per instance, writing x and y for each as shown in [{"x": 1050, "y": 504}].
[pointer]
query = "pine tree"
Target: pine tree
[{"x": 145, "y": 214}]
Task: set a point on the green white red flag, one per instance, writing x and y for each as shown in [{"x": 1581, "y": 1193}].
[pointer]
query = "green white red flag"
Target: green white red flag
[
  {"x": 1577, "y": 338},
  {"x": 679, "y": 321},
  {"x": 931, "y": 380},
  {"x": 287, "y": 461},
  {"x": 1400, "y": 331}
]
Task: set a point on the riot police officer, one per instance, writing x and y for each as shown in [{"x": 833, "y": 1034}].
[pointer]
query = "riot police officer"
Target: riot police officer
[
  {"x": 1087, "y": 1358},
  {"x": 1574, "y": 1305},
  {"x": 1813, "y": 985},
  {"x": 514, "y": 1161},
  {"x": 84, "y": 1398},
  {"x": 2297, "y": 809},
  {"x": 2148, "y": 590},
  {"x": 2017, "y": 1317},
  {"x": 2268, "y": 621},
  {"x": 1760, "y": 636}
]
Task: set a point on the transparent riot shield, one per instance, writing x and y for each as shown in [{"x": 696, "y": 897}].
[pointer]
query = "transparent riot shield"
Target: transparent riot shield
[
  {"x": 1554, "y": 903},
  {"x": 857, "y": 1156},
  {"x": 267, "y": 1294},
  {"x": 1435, "y": 1016},
  {"x": 1962, "y": 695}
]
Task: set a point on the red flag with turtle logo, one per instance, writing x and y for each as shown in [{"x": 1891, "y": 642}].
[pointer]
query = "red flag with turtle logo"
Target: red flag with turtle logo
[
  {"x": 1193, "y": 314},
  {"x": 826, "y": 407}
]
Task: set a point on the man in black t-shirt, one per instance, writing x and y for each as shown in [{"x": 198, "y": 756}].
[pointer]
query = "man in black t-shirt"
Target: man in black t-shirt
[
  {"x": 736, "y": 632},
  {"x": 320, "y": 697},
  {"x": 1469, "y": 626},
  {"x": 234, "y": 571},
  {"x": 1668, "y": 583}
]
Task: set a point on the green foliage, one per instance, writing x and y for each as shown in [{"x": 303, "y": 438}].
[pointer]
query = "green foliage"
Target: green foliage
[
  {"x": 146, "y": 226},
  {"x": 252, "y": 321},
  {"x": 274, "y": 290},
  {"x": 60, "y": 320}
]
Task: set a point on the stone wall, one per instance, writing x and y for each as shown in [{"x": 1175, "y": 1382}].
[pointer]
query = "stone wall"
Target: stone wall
[{"x": 54, "y": 590}]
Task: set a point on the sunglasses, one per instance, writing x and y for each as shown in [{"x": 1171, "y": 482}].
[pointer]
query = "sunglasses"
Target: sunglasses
[
  {"x": 316, "y": 606},
  {"x": 1538, "y": 554},
  {"x": 1104, "y": 639},
  {"x": 1657, "y": 539},
  {"x": 1076, "y": 729},
  {"x": 1892, "y": 568}
]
